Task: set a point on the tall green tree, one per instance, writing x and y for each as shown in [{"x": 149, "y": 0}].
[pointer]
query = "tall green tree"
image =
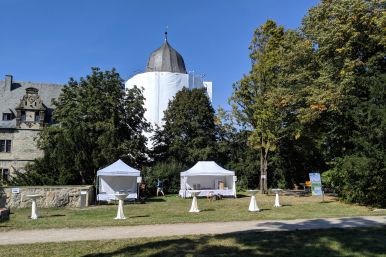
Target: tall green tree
[
  {"x": 97, "y": 123},
  {"x": 270, "y": 98},
  {"x": 350, "y": 46},
  {"x": 189, "y": 131},
  {"x": 234, "y": 152}
]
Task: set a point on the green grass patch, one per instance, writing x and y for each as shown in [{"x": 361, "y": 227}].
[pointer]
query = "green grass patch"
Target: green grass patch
[
  {"x": 172, "y": 209},
  {"x": 329, "y": 242}
]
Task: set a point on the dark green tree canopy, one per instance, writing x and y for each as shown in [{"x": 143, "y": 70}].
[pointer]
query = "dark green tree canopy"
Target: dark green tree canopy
[
  {"x": 313, "y": 101},
  {"x": 323, "y": 85},
  {"x": 350, "y": 46},
  {"x": 189, "y": 131},
  {"x": 270, "y": 99},
  {"x": 97, "y": 123}
]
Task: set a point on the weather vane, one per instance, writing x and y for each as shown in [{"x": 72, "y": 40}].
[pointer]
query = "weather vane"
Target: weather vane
[{"x": 166, "y": 33}]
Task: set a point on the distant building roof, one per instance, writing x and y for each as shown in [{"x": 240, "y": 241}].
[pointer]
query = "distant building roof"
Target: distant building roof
[
  {"x": 12, "y": 92},
  {"x": 166, "y": 58}
]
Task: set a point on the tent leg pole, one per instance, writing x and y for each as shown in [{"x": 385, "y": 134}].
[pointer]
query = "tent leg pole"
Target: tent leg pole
[{"x": 96, "y": 190}]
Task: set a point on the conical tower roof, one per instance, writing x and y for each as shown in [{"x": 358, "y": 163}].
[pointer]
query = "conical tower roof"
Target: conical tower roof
[{"x": 166, "y": 58}]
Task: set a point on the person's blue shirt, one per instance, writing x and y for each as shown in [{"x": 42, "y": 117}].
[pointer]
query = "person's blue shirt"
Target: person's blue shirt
[{"x": 159, "y": 183}]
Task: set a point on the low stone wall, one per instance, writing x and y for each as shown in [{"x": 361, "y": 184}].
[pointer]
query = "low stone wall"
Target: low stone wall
[{"x": 52, "y": 196}]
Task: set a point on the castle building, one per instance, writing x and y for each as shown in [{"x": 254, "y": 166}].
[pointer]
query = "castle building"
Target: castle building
[
  {"x": 25, "y": 109},
  {"x": 164, "y": 76}
]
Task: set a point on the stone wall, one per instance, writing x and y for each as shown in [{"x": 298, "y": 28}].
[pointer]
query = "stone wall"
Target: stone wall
[{"x": 52, "y": 196}]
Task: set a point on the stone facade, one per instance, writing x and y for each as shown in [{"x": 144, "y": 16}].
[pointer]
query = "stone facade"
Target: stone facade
[
  {"x": 25, "y": 109},
  {"x": 59, "y": 196},
  {"x": 23, "y": 146}
]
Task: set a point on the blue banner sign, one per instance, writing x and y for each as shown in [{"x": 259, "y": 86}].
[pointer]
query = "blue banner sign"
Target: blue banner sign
[{"x": 316, "y": 184}]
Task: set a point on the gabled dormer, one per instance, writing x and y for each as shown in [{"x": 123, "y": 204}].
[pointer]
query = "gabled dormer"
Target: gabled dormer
[{"x": 30, "y": 113}]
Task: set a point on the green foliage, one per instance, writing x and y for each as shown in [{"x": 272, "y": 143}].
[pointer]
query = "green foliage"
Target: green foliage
[
  {"x": 317, "y": 96},
  {"x": 350, "y": 47},
  {"x": 189, "y": 132},
  {"x": 314, "y": 100},
  {"x": 360, "y": 174},
  {"x": 188, "y": 136},
  {"x": 97, "y": 123},
  {"x": 234, "y": 153},
  {"x": 295, "y": 159},
  {"x": 168, "y": 173},
  {"x": 359, "y": 179},
  {"x": 270, "y": 99}
]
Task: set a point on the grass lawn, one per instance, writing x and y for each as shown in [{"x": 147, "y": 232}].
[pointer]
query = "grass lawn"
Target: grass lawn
[
  {"x": 172, "y": 209},
  {"x": 329, "y": 242}
]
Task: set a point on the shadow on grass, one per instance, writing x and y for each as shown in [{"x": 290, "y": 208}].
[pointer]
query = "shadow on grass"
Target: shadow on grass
[
  {"x": 139, "y": 216},
  {"x": 52, "y": 216},
  {"x": 327, "y": 202},
  {"x": 265, "y": 209},
  {"x": 331, "y": 242},
  {"x": 305, "y": 195},
  {"x": 320, "y": 224},
  {"x": 209, "y": 209},
  {"x": 155, "y": 200},
  {"x": 286, "y": 205}
]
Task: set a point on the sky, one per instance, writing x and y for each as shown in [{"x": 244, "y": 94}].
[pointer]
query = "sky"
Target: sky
[{"x": 51, "y": 41}]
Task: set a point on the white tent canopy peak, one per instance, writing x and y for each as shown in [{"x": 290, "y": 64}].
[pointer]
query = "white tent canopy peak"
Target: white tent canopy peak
[
  {"x": 205, "y": 168},
  {"x": 118, "y": 168}
]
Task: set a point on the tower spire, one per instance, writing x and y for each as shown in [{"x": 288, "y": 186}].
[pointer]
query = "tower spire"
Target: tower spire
[{"x": 166, "y": 33}]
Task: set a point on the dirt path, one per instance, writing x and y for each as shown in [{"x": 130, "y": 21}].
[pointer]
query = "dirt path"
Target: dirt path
[{"x": 122, "y": 232}]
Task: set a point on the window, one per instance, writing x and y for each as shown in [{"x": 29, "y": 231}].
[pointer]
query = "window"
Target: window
[
  {"x": 4, "y": 175},
  {"x": 7, "y": 116},
  {"x": 22, "y": 116},
  {"x": 5, "y": 146},
  {"x": 37, "y": 116}
]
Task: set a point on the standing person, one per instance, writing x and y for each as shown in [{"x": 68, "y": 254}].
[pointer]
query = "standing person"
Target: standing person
[{"x": 160, "y": 187}]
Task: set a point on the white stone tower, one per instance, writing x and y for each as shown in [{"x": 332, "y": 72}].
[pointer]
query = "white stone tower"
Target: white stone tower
[{"x": 164, "y": 76}]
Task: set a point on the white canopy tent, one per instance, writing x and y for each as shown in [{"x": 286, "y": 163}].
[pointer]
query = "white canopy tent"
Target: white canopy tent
[
  {"x": 117, "y": 177},
  {"x": 208, "y": 176}
]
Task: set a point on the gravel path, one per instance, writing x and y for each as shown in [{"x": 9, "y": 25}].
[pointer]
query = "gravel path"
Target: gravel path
[{"x": 123, "y": 232}]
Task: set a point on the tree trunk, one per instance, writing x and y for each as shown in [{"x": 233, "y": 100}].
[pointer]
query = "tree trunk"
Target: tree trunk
[
  {"x": 82, "y": 177},
  {"x": 265, "y": 174},
  {"x": 263, "y": 170}
]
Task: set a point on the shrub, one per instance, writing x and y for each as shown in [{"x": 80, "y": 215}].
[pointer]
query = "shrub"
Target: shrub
[
  {"x": 168, "y": 173},
  {"x": 359, "y": 179}
]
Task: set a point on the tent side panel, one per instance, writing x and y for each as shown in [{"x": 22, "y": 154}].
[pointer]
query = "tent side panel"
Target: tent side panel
[
  {"x": 110, "y": 185},
  {"x": 209, "y": 182}
]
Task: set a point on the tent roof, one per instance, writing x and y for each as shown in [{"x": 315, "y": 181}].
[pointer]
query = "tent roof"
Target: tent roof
[
  {"x": 118, "y": 168},
  {"x": 207, "y": 168}
]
